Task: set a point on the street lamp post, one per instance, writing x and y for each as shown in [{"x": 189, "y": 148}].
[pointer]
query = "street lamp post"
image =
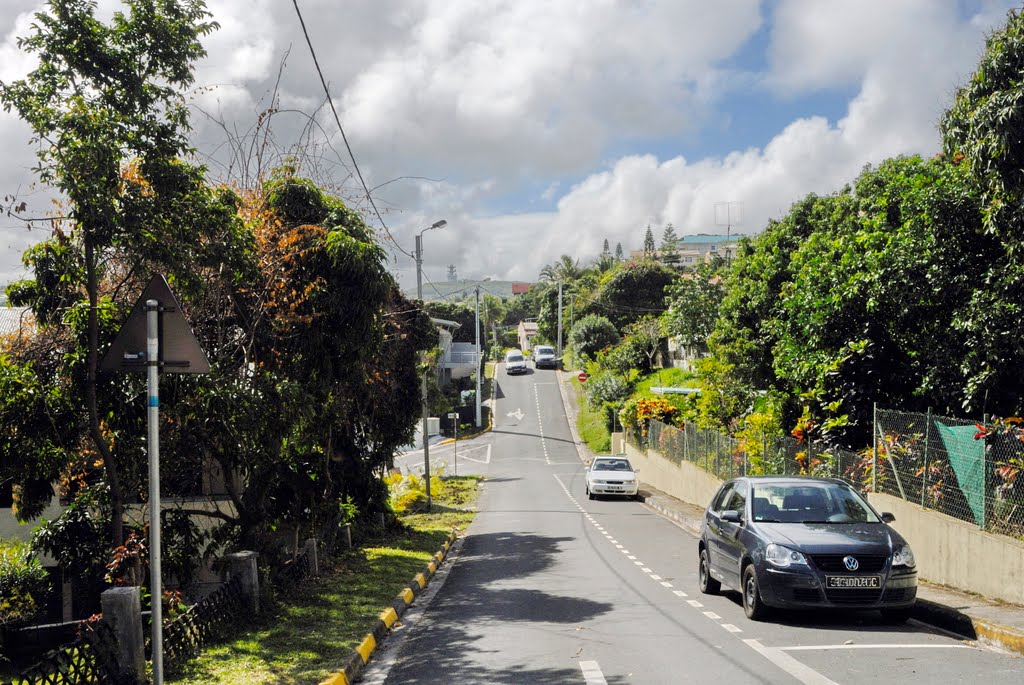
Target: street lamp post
[
  {"x": 419, "y": 256},
  {"x": 423, "y": 381}
]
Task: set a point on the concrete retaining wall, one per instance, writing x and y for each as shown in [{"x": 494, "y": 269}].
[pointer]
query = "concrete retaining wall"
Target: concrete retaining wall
[
  {"x": 948, "y": 551},
  {"x": 683, "y": 481},
  {"x": 955, "y": 553}
]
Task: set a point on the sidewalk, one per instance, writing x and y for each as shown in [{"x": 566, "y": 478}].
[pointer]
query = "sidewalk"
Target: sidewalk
[{"x": 971, "y": 616}]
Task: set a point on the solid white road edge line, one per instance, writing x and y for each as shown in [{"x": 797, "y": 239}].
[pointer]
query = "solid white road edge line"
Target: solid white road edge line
[{"x": 811, "y": 648}]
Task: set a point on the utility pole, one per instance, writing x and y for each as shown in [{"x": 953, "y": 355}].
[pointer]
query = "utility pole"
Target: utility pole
[
  {"x": 423, "y": 381},
  {"x": 559, "y": 320},
  {"x": 479, "y": 357}
]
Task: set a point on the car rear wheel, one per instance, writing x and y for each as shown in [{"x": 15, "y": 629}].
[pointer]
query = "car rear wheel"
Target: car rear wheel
[
  {"x": 708, "y": 585},
  {"x": 590, "y": 495},
  {"x": 896, "y": 615},
  {"x": 753, "y": 607}
]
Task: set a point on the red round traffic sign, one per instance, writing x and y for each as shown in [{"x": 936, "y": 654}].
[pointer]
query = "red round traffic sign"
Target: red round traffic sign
[{"x": 583, "y": 377}]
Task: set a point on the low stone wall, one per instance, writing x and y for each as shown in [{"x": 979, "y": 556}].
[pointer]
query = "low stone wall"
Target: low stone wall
[
  {"x": 948, "y": 551},
  {"x": 955, "y": 553}
]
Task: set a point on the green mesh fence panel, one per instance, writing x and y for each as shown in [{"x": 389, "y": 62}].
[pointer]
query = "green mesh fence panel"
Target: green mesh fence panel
[{"x": 967, "y": 457}]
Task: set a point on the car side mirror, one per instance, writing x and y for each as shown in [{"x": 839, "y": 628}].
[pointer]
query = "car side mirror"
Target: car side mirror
[
  {"x": 731, "y": 516},
  {"x": 887, "y": 517}
]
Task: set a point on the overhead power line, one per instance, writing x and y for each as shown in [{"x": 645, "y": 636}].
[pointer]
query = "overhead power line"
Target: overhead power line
[{"x": 337, "y": 120}]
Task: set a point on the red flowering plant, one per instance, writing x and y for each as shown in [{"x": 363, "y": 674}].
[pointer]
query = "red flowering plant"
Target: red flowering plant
[
  {"x": 1005, "y": 438},
  {"x": 128, "y": 562}
]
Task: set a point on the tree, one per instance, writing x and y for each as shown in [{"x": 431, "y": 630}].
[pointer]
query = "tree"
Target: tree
[
  {"x": 492, "y": 309},
  {"x": 566, "y": 269},
  {"x": 693, "y": 303},
  {"x": 649, "y": 248},
  {"x": 618, "y": 252},
  {"x": 103, "y": 97},
  {"x": 982, "y": 128},
  {"x": 982, "y": 132},
  {"x": 605, "y": 251},
  {"x": 669, "y": 246},
  {"x": 631, "y": 292},
  {"x": 591, "y": 334}
]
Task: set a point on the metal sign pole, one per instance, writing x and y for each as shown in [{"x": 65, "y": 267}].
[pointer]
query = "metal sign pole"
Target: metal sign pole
[{"x": 153, "y": 417}]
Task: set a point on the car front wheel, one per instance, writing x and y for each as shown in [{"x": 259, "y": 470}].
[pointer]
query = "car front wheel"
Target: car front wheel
[
  {"x": 753, "y": 607},
  {"x": 590, "y": 495},
  {"x": 708, "y": 585}
]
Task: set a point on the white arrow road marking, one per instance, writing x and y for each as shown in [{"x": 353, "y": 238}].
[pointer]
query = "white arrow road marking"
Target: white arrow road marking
[{"x": 517, "y": 414}]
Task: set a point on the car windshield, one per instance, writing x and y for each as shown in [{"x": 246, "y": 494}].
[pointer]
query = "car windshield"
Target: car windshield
[
  {"x": 545, "y": 350},
  {"x": 612, "y": 465},
  {"x": 515, "y": 358},
  {"x": 809, "y": 503}
]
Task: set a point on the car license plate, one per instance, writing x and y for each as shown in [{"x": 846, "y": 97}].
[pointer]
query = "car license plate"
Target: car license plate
[{"x": 852, "y": 582}]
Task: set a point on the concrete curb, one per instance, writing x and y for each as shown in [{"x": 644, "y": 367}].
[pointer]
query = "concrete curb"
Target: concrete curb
[
  {"x": 387, "y": 619},
  {"x": 974, "y": 628}
]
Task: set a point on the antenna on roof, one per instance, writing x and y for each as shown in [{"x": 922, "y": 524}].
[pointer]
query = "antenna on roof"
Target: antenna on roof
[{"x": 728, "y": 214}]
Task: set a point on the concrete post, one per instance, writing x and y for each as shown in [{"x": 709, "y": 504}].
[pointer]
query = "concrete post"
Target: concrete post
[
  {"x": 243, "y": 565},
  {"x": 314, "y": 562},
  {"x": 122, "y": 611}
]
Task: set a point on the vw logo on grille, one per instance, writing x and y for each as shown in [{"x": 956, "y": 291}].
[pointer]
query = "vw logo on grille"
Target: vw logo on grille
[{"x": 851, "y": 563}]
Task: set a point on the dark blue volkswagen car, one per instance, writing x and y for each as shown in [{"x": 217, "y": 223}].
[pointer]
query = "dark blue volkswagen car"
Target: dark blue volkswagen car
[{"x": 804, "y": 543}]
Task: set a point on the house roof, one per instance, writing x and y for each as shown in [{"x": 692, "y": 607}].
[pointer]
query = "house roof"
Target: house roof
[
  {"x": 446, "y": 323},
  {"x": 528, "y": 325}
]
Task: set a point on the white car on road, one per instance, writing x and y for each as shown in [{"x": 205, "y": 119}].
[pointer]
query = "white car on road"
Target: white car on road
[{"x": 612, "y": 476}]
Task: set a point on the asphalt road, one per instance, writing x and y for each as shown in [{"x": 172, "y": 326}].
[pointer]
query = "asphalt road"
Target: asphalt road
[{"x": 550, "y": 587}]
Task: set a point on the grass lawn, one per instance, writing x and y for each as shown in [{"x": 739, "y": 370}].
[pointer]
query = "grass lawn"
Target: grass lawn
[
  {"x": 592, "y": 427},
  {"x": 311, "y": 632}
]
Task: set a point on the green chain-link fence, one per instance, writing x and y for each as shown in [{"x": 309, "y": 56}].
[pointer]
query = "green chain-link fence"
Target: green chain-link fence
[{"x": 942, "y": 463}]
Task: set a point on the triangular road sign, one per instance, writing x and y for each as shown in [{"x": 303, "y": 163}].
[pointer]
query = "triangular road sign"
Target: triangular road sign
[{"x": 179, "y": 349}]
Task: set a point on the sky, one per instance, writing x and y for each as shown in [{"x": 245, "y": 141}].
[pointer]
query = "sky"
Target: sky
[{"x": 538, "y": 128}]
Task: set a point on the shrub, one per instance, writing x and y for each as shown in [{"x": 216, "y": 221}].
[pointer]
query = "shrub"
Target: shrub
[
  {"x": 409, "y": 493},
  {"x": 606, "y": 388},
  {"x": 591, "y": 334},
  {"x": 23, "y": 581}
]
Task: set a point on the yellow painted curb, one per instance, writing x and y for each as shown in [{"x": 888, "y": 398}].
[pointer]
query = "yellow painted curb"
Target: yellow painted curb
[
  {"x": 366, "y": 647},
  {"x": 389, "y": 616},
  {"x": 1003, "y": 636},
  {"x": 421, "y": 580},
  {"x": 407, "y": 595},
  {"x": 439, "y": 556},
  {"x": 432, "y": 566},
  {"x": 336, "y": 679}
]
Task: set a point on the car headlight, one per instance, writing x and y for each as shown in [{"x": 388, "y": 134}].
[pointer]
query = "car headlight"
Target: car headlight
[
  {"x": 903, "y": 557},
  {"x": 780, "y": 556}
]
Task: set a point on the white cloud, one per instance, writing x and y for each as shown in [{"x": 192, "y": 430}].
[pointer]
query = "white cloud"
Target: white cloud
[{"x": 518, "y": 103}]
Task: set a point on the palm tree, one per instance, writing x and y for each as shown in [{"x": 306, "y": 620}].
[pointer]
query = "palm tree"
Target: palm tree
[
  {"x": 566, "y": 269},
  {"x": 604, "y": 263}
]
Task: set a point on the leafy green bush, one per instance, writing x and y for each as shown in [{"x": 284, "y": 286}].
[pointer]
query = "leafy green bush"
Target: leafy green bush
[
  {"x": 591, "y": 334},
  {"x": 606, "y": 388},
  {"x": 23, "y": 581}
]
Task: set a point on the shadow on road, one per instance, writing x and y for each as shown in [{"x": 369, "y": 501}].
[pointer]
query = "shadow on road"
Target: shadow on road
[
  {"x": 862, "y": 620},
  {"x": 473, "y": 604}
]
